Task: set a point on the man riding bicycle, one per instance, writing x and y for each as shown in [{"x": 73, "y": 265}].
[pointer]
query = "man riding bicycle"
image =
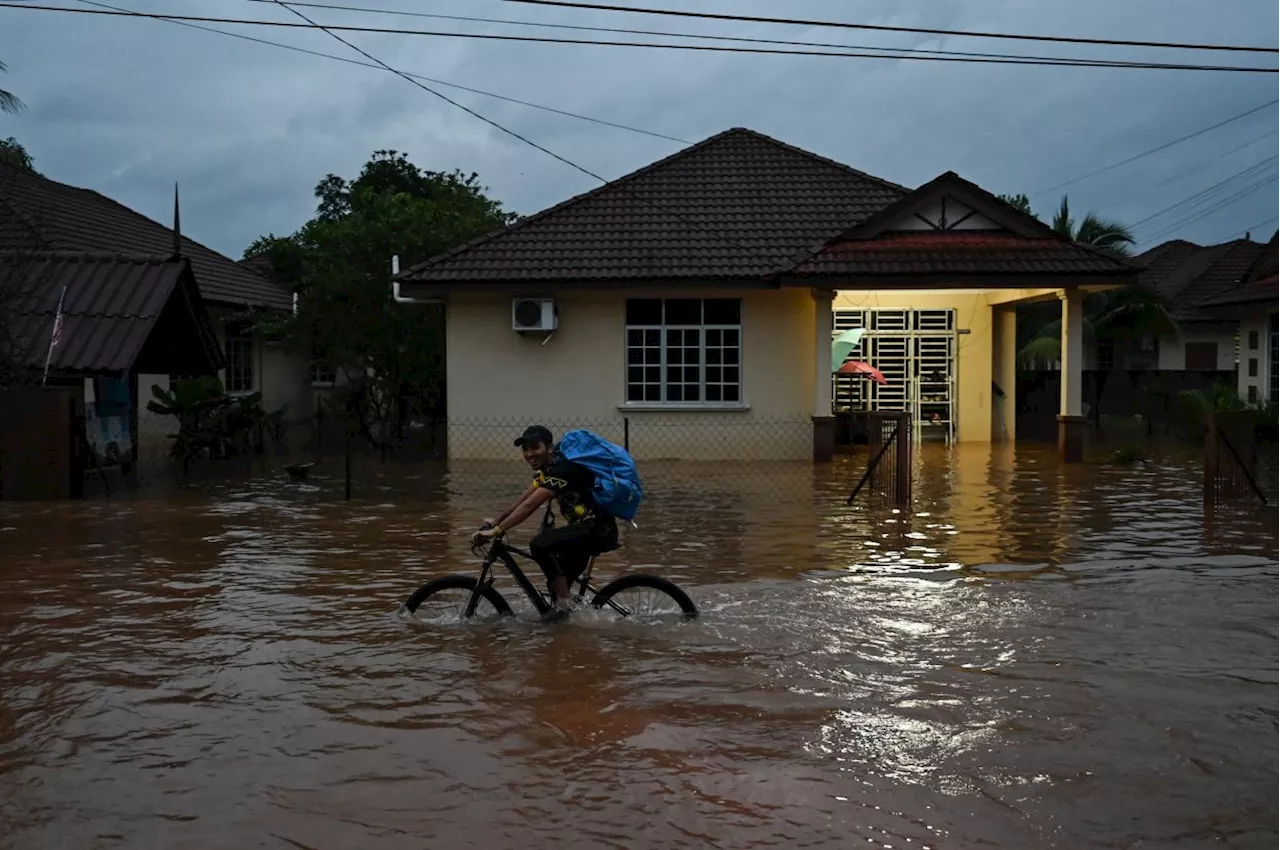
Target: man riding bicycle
[{"x": 562, "y": 552}]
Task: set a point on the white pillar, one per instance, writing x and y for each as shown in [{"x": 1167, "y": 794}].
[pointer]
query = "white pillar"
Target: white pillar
[
  {"x": 1070, "y": 418},
  {"x": 822, "y": 325},
  {"x": 1072, "y": 352},
  {"x": 1004, "y": 372},
  {"x": 824, "y": 423}
]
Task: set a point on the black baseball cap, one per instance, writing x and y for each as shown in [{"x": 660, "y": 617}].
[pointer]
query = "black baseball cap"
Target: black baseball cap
[{"x": 535, "y": 434}]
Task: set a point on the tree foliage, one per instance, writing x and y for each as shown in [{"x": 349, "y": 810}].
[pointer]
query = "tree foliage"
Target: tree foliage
[
  {"x": 1019, "y": 202},
  {"x": 13, "y": 154},
  {"x": 1121, "y": 317},
  {"x": 9, "y": 101},
  {"x": 339, "y": 263}
]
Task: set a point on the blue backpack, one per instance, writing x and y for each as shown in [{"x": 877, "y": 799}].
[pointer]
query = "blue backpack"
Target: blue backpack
[{"x": 617, "y": 490}]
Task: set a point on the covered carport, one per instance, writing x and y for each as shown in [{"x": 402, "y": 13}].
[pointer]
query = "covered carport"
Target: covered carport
[{"x": 953, "y": 250}]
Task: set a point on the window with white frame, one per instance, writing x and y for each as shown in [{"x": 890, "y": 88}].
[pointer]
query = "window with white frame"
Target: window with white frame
[
  {"x": 1273, "y": 333},
  {"x": 239, "y": 373},
  {"x": 322, "y": 375},
  {"x": 684, "y": 350}
]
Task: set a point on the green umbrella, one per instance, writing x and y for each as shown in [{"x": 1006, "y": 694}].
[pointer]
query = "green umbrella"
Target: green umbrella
[{"x": 842, "y": 345}]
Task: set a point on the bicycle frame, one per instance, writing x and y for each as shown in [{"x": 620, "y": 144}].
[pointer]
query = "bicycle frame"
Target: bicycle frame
[{"x": 502, "y": 551}]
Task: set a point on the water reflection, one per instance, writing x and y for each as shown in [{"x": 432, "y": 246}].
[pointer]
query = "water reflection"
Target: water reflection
[{"x": 1034, "y": 656}]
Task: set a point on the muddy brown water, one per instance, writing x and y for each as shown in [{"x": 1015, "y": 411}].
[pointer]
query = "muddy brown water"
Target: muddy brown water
[{"x": 1036, "y": 657}]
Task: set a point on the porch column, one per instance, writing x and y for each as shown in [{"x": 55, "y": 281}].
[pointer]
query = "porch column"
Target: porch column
[
  {"x": 824, "y": 423},
  {"x": 1070, "y": 414},
  {"x": 1004, "y": 372}
]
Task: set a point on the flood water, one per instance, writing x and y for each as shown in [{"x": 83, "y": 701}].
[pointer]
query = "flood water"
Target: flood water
[{"x": 1035, "y": 657}]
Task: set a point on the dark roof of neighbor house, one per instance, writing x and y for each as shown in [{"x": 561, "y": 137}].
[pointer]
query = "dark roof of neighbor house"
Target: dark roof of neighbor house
[
  {"x": 738, "y": 205},
  {"x": 1187, "y": 275},
  {"x": 1260, "y": 285},
  {"x": 38, "y": 213},
  {"x": 113, "y": 303},
  {"x": 1019, "y": 244}
]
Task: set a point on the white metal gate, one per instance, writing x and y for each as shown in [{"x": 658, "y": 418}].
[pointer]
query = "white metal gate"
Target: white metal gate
[{"x": 916, "y": 351}]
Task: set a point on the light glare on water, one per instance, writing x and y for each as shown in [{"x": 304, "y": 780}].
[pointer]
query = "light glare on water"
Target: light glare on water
[{"x": 1035, "y": 656}]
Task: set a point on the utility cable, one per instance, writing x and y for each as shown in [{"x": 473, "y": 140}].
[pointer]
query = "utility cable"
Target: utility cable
[
  {"x": 509, "y": 132},
  {"x": 444, "y": 83},
  {"x": 1072, "y": 63},
  {"x": 1158, "y": 148},
  {"x": 1204, "y": 194},
  {"x": 887, "y": 28},
  {"x": 739, "y": 39}
]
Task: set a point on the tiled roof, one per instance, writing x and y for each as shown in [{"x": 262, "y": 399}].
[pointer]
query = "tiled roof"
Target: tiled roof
[
  {"x": 739, "y": 205},
  {"x": 1188, "y": 275},
  {"x": 958, "y": 252},
  {"x": 38, "y": 213},
  {"x": 1259, "y": 285},
  {"x": 113, "y": 303},
  {"x": 1006, "y": 242}
]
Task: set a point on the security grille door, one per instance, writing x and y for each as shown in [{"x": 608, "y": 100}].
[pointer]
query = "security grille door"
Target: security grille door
[{"x": 916, "y": 351}]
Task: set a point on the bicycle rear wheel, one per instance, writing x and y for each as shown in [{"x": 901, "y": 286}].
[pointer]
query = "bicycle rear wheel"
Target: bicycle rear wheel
[
  {"x": 445, "y": 599},
  {"x": 644, "y": 597}
]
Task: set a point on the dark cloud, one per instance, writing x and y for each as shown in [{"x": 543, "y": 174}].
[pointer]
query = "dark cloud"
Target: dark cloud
[{"x": 129, "y": 106}]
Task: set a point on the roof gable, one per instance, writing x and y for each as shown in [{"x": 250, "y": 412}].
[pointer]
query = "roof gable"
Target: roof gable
[
  {"x": 949, "y": 202},
  {"x": 951, "y": 227},
  {"x": 738, "y": 205},
  {"x": 112, "y": 307},
  {"x": 38, "y": 213}
]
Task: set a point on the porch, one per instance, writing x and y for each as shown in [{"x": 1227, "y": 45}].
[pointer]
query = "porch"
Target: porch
[{"x": 933, "y": 283}]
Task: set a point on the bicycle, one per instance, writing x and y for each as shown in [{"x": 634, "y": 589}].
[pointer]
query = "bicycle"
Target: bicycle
[{"x": 481, "y": 587}]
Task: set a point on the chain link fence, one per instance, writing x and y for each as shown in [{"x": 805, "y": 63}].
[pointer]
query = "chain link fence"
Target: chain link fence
[{"x": 678, "y": 457}]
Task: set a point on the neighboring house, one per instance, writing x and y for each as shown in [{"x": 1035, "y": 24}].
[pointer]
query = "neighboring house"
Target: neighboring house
[
  {"x": 700, "y": 295},
  {"x": 1187, "y": 275},
  {"x": 122, "y": 316},
  {"x": 1250, "y": 304},
  {"x": 41, "y": 214}
]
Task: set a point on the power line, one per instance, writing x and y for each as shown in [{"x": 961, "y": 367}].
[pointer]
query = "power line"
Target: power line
[
  {"x": 511, "y": 133},
  {"x": 1269, "y": 180},
  {"x": 1253, "y": 227},
  {"x": 1187, "y": 171},
  {"x": 444, "y": 97},
  {"x": 888, "y": 28},
  {"x": 739, "y": 39},
  {"x": 1157, "y": 149},
  {"x": 351, "y": 61},
  {"x": 1207, "y": 192},
  {"x": 705, "y": 48}
]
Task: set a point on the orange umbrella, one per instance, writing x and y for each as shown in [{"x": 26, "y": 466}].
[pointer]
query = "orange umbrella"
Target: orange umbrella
[{"x": 857, "y": 367}]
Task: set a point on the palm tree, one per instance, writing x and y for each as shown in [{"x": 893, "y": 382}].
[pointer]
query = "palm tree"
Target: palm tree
[
  {"x": 1122, "y": 317},
  {"x": 1107, "y": 234},
  {"x": 8, "y": 101}
]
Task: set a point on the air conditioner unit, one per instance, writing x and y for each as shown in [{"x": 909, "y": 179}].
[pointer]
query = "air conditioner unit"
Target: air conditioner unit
[{"x": 533, "y": 314}]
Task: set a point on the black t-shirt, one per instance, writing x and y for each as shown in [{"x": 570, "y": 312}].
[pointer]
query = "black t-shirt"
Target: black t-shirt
[{"x": 572, "y": 483}]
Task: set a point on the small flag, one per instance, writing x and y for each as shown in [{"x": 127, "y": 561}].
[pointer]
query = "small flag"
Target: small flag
[{"x": 57, "y": 334}]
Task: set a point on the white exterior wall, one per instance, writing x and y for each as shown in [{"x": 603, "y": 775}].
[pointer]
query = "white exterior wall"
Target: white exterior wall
[
  {"x": 1260, "y": 382},
  {"x": 1173, "y": 353},
  {"x": 282, "y": 378},
  {"x": 499, "y": 381}
]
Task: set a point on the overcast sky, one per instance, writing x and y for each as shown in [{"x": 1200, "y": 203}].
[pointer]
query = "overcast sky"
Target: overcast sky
[{"x": 128, "y": 106}]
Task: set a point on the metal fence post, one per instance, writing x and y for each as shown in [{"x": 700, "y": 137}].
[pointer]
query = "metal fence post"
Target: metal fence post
[{"x": 626, "y": 433}]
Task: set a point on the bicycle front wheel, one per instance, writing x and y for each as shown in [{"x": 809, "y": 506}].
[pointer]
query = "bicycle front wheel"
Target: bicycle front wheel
[
  {"x": 644, "y": 597},
  {"x": 445, "y": 599}
]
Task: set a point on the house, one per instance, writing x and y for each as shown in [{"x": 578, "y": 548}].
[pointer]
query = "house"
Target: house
[
  {"x": 38, "y": 214},
  {"x": 700, "y": 295},
  {"x": 1188, "y": 275},
  {"x": 121, "y": 316},
  {"x": 1250, "y": 305}
]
